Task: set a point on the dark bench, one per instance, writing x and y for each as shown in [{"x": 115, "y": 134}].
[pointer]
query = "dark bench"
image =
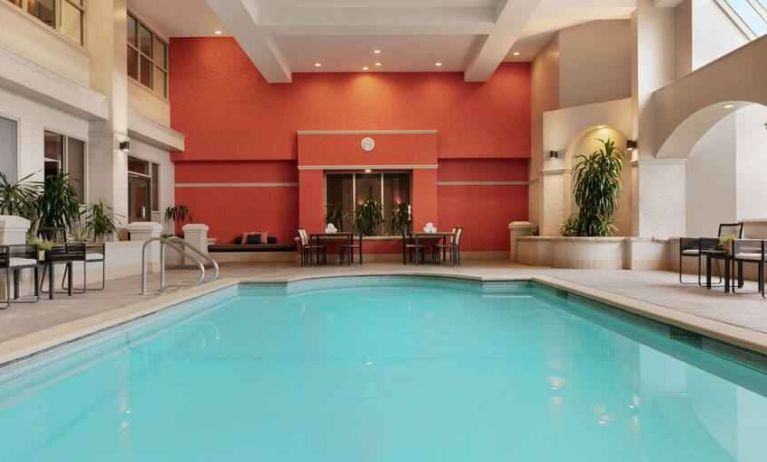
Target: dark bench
[{"x": 252, "y": 248}]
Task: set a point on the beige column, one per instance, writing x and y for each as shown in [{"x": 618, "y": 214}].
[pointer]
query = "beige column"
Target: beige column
[{"x": 518, "y": 229}]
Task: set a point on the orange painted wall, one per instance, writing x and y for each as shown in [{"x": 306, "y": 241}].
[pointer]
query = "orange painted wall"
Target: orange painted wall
[
  {"x": 227, "y": 110},
  {"x": 241, "y": 129},
  {"x": 390, "y": 149}
]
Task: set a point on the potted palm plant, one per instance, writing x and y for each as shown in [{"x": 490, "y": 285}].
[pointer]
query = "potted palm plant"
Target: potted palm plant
[
  {"x": 596, "y": 191},
  {"x": 177, "y": 215},
  {"x": 400, "y": 218},
  {"x": 58, "y": 207},
  {"x": 369, "y": 216},
  {"x": 99, "y": 222}
]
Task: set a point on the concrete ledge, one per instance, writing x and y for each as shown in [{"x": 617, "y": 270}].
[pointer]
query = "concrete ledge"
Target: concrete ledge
[{"x": 593, "y": 252}]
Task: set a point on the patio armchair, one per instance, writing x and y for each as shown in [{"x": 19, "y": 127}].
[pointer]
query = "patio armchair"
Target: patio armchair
[
  {"x": 14, "y": 259},
  {"x": 307, "y": 249},
  {"x": 750, "y": 251},
  {"x": 696, "y": 248},
  {"x": 452, "y": 247},
  {"x": 85, "y": 253}
]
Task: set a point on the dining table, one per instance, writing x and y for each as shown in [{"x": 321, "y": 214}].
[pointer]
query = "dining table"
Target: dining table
[
  {"x": 338, "y": 238},
  {"x": 436, "y": 237}
]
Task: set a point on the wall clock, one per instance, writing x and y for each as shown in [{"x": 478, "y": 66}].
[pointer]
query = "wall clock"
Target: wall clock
[{"x": 368, "y": 144}]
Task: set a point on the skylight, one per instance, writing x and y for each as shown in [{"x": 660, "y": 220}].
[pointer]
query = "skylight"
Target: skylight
[{"x": 749, "y": 15}]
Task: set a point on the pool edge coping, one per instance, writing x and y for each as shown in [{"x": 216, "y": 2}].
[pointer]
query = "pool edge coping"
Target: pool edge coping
[{"x": 28, "y": 345}]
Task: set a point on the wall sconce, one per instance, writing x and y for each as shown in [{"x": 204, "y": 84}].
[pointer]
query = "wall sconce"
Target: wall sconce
[
  {"x": 124, "y": 146},
  {"x": 631, "y": 145},
  {"x": 553, "y": 154}
]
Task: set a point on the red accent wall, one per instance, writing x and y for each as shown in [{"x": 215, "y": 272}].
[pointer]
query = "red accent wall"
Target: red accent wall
[{"x": 240, "y": 129}]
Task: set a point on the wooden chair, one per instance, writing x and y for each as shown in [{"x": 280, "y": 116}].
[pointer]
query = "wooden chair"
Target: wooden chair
[
  {"x": 307, "y": 249},
  {"x": 411, "y": 248},
  {"x": 347, "y": 250},
  {"x": 453, "y": 246}
]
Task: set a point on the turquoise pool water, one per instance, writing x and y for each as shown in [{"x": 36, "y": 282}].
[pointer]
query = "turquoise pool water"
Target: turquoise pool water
[{"x": 385, "y": 369}]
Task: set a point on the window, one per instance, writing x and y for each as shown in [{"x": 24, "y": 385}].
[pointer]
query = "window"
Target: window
[
  {"x": 143, "y": 189},
  {"x": 66, "y": 16},
  {"x": 8, "y": 149},
  {"x": 147, "y": 57},
  {"x": 345, "y": 191},
  {"x": 749, "y": 15},
  {"x": 65, "y": 155}
]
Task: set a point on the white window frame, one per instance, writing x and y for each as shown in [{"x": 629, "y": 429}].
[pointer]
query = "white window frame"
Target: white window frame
[
  {"x": 164, "y": 67},
  {"x": 64, "y": 165},
  {"x": 23, "y": 6}
]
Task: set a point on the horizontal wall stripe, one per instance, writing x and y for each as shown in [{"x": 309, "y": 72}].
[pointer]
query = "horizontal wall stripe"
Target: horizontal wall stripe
[
  {"x": 367, "y": 132},
  {"x": 368, "y": 167},
  {"x": 483, "y": 183},
  {"x": 238, "y": 185}
]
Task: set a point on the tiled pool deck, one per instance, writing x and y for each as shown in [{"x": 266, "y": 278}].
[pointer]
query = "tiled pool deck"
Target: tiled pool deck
[{"x": 742, "y": 319}]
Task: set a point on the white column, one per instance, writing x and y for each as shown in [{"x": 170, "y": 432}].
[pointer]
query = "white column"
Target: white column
[
  {"x": 518, "y": 229},
  {"x": 144, "y": 230},
  {"x": 196, "y": 234},
  {"x": 13, "y": 230}
]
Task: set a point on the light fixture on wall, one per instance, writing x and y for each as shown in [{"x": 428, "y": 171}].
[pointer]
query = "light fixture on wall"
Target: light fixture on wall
[
  {"x": 553, "y": 154},
  {"x": 124, "y": 146},
  {"x": 631, "y": 145}
]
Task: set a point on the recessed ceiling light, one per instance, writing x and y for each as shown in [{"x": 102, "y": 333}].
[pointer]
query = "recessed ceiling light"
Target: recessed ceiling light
[
  {"x": 378, "y": 52},
  {"x": 729, "y": 106},
  {"x": 516, "y": 53},
  {"x": 378, "y": 64},
  {"x": 438, "y": 64},
  {"x": 218, "y": 32},
  {"x": 367, "y": 170},
  {"x": 317, "y": 64},
  {"x": 365, "y": 68}
]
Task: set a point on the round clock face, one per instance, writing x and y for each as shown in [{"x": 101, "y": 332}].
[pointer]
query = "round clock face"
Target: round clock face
[{"x": 368, "y": 144}]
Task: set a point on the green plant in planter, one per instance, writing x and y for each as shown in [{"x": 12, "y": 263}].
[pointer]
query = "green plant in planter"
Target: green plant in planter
[
  {"x": 725, "y": 241},
  {"x": 400, "y": 218},
  {"x": 596, "y": 191},
  {"x": 58, "y": 207},
  {"x": 177, "y": 215},
  {"x": 99, "y": 222},
  {"x": 369, "y": 216},
  {"x": 19, "y": 198}
]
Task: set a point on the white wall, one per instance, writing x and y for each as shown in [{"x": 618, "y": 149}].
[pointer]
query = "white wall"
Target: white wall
[
  {"x": 26, "y": 36},
  {"x": 595, "y": 62},
  {"x": 713, "y": 33},
  {"x": 33, "y": 119},
  {"x": 711, "y": 180},
  {"x": 751, "y": 162},
  {"x": 150, "y": 153}
]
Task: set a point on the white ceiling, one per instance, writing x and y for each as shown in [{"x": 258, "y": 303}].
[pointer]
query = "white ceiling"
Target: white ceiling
[{"x": 286, "y": 36}]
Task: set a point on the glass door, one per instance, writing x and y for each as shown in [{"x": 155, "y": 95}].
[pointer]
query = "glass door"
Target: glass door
[{"x": 139, "y": 198}]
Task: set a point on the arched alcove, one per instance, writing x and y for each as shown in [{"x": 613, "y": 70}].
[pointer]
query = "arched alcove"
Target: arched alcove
[{"x": 585, "y": 143}]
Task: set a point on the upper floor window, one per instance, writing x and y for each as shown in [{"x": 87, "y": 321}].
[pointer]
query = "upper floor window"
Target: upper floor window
[
  {"x": 66, "y": 16},
  {"x": 147, "y": 57}
]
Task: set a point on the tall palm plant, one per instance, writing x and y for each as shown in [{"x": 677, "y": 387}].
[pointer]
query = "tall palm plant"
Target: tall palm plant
[
  {"x": 58, "y": 206},
  {"x": 19, "y": 198},
  {"x": 597, "y": 191},
  {"x": 369, "y": 216}
]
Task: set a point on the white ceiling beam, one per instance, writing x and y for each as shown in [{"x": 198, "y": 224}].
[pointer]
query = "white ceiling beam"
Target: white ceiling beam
[
  {"x": 667, "y": 3},
  {"x": 241, "y": 20},
  {"x": 512, "y": 16},
  {"x": 313, "y": 20}
]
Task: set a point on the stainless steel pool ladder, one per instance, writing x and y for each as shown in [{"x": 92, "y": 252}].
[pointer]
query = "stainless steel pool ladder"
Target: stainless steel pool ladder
[{"x": 184, "y": 248}]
